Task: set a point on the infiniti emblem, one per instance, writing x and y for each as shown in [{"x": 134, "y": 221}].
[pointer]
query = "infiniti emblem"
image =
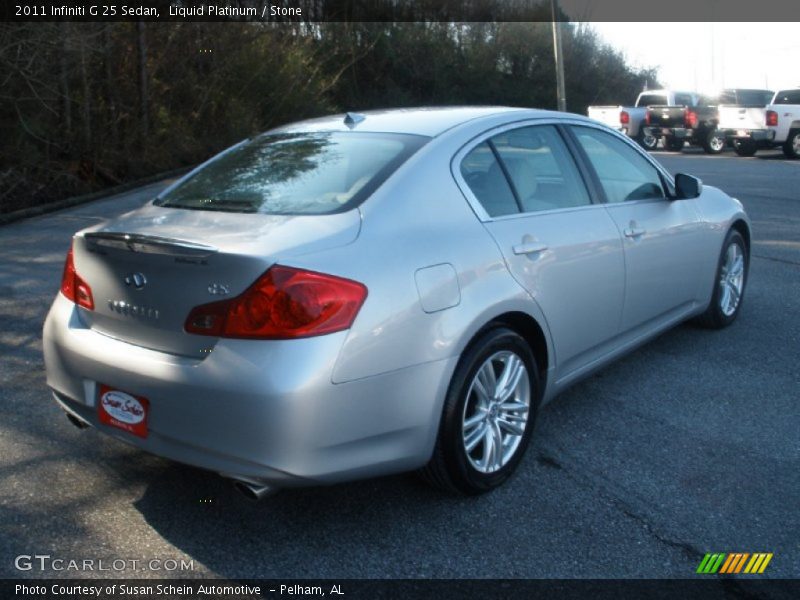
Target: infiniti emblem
[{"x": 137, "y": 280}]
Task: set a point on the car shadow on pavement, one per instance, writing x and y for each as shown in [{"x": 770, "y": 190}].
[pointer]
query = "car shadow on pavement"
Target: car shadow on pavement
[{"x": 310, "y": 532}]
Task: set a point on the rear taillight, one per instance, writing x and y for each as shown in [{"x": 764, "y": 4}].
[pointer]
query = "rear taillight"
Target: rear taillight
[
  {"x": 624, "y": 118},
  {"x": 772, "y": 118},
  {"x": 689, "y": 118},
  {"x": 73, "y": 287},
  {"x": 647, "y": 118},
  {"x": 283, "y": 303}
]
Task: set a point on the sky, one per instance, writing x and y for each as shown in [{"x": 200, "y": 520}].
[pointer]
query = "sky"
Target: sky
[{"x": 707, "y": 57}]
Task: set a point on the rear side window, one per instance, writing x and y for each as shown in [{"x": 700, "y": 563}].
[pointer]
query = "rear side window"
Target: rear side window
[
  {"x": 295, "y": 173},
  {"x": 486, "y": 179},
  {"x": 624, "y": 174},
  {"x": 787, "y": 97},
  {"x": 541, "y": 170}
]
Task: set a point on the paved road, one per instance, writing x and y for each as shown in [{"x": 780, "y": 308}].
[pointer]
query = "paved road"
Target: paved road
[{"x": 690, "y": 445}]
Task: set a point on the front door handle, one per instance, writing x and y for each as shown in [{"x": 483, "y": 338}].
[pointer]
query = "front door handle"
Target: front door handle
[
  {"x": 530, "y": 248},
  {"x": 634, "y": 232}
]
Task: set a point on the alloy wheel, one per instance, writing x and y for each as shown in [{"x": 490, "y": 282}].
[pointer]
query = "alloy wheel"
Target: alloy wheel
[
  {"x": 731, "y": 280},
  {"x": 496, "y": 411}
]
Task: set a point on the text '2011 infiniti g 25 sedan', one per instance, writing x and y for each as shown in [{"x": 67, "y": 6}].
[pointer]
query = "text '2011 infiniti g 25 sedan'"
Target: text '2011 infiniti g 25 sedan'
[{"x": 374, "y": 293}]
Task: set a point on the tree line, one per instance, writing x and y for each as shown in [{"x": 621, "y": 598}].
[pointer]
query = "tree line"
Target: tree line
[{"x": 89, "y": 105}]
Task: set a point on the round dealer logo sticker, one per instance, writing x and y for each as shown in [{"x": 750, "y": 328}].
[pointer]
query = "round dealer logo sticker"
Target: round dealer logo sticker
[{"x": 123, "y": 407}]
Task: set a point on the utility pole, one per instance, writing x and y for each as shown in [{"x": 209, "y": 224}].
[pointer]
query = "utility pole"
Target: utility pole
[{"x": 559, "y": 56}]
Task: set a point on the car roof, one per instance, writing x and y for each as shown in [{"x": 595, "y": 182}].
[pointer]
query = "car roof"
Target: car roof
[{"x": 427, "y": 121}]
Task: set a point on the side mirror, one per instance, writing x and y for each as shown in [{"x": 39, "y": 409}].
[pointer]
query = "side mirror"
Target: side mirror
[{"x": 687, "y": 186}]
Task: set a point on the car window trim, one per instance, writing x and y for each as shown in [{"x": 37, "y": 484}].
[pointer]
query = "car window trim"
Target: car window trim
[
  {"x": 501, "y": 163},
  {"x": 485, "y": 136},
  {"x": 590, "y": 180}
]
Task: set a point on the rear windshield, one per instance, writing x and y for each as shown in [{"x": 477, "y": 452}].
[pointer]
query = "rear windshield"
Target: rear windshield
[
  {"x": 754, "y": 97},
  {"x": 787, "y": 97},
  {"x": 652, "y": 99},
  {"x": 295, "y": 173}
]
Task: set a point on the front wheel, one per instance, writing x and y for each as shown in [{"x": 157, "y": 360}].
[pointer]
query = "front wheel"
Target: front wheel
[
  {"x": 729, "y": 283},
  {"x": 745, "y": 147},
  {"x": 488, "y": 415},
  {"x": 714, "y": 143},
  {"x": 673, "y": 144},
  {"x": 791, "y": 147}
]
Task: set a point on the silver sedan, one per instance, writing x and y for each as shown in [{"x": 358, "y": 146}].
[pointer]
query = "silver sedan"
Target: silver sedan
[{"x": 374, "y": 293}]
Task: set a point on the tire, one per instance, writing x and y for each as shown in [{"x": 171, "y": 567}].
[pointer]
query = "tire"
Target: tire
[
  {"x": 745, "y": 147},
  {"x": 452, "y": 467},
  {"x": 673, "y": 144},
  {"x": 791, "y": 147},
  {"x": 714, "y": 143},
  {"x": 648, "y": 142},
  {"x": 720, "y": 313}
]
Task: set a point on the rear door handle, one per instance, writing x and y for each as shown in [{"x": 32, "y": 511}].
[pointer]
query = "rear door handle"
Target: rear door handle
[
  {"x": 634, "y": 232},
  {"x": 530, "y": 248}
]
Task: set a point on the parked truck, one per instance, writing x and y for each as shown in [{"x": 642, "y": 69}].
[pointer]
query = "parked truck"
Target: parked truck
[
  {"x": 630, "y": 120},
  {"x": 743, "y": 120},
  {"x": 783, "y": 119}
]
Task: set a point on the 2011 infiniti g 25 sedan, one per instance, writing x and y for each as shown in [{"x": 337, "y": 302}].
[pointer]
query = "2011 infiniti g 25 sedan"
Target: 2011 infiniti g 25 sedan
[{"x": 373, "y": 293}]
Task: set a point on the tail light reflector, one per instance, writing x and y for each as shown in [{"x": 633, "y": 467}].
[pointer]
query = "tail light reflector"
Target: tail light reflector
[
  {"x": 647, "y": 117},
  {"x": 283, "y": 303},
  {"x": 73, "y": 286},
  {"x": 772, "y": 118},
  {"x": 690, "y": 118},
  {"x": 624, "y": 118}
]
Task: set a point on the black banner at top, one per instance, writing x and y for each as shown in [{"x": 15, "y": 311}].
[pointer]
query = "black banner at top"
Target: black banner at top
[{"x": 670, "y": 11}]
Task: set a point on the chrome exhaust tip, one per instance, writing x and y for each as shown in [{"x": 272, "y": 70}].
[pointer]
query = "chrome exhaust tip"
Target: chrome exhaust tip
[{"x": 253, "y": 491}]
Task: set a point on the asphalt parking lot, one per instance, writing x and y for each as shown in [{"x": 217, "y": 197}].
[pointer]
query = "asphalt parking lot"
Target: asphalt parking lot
[{"x": 689, "y": 445}]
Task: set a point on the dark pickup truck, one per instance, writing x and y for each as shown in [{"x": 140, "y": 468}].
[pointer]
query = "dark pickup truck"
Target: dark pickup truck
[
  {"x": 694, "y": 121},
  {"x": 697, "y": 119}
]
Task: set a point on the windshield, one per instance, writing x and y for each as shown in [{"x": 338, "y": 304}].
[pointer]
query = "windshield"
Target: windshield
[{"x": 295, "y": 173}]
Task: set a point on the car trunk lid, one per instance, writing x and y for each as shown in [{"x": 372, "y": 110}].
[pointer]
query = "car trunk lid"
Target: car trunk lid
[
  {"x": 149, "y": 268},
  {"x": 667, "y": 116},
  {"x": 742, "y": 117}
]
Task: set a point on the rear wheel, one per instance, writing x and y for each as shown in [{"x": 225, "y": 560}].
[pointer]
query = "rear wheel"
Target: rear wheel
[
  {"x": 791, "y": 147},
  {"x": 744, "y": 147},
  {"x": 646, "y": 140},
  {"x": 729, "y": 284},
  {"x": 488, "y": 415},
  {"x": 673, "y": 144},
  {"x": 714, "y": 142}
]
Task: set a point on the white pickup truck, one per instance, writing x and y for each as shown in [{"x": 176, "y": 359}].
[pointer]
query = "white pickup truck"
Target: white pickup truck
[
  {"x": 751, "y": 125},
  {"x": 783, "y": 119},
  {"x": 630, "y": 120}
]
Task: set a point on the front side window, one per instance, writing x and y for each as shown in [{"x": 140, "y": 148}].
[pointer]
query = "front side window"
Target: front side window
[
  {"x": 295, "y": 173},
  {"x": 624, "y": 173}
]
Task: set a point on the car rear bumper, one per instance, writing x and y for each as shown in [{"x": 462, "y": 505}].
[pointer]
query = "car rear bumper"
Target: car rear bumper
[
  {"x": 265, "y": 411},
  {"x": 758, "y": 135},
  {"x": 676, "y": 132}
]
